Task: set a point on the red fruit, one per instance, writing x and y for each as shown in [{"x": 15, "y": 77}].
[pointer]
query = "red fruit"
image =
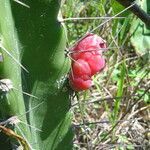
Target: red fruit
[{"x": 87, "y": 61}]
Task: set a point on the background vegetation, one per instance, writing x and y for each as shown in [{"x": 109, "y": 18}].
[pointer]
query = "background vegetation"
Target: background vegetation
[{"x": 114, "y": 113}]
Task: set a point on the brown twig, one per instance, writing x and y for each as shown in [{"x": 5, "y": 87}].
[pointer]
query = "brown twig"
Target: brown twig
[
  {"x": 140, "y": 13},
  {"x": 12, "y": 134}
]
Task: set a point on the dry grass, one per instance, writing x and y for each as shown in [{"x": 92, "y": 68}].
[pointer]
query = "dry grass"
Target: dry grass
[{"x": 91, "y": 125}]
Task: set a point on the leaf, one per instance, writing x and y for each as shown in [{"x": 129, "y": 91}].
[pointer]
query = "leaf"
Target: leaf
[
  {"x": 117, "y": 7},
  {"x": 120, "y": 85},
  {"x": 140, "y": 33}
]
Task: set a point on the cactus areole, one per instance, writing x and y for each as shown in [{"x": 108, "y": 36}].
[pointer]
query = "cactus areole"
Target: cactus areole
[{"x": 87, "y": 60}]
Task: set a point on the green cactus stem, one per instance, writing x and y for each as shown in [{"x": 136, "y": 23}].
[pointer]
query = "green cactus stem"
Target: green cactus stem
[{"x": 36, "y": 41}]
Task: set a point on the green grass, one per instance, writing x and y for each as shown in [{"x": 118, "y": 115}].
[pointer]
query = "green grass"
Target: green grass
[{"x": 114, "y": 112}]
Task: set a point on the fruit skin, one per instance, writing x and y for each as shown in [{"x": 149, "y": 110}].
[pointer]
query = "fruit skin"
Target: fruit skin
[
  {"x": 80, "y": 83},
  {"x": 81, "y": 67},
  {"x": 87, "y": 61}
]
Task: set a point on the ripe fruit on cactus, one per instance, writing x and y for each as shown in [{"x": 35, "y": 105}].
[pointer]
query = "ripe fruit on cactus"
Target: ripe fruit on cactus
[{"x": 87, "y": 61}]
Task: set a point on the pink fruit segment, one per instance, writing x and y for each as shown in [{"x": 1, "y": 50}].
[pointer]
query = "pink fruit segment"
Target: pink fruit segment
[
  {"x": 96, "y": 63},
  {"x": 90, "y": 42},
  {"x": 79, "y": 84},
  {"x": 81, "y": 67},
  {"x": 87, "y": 61}
]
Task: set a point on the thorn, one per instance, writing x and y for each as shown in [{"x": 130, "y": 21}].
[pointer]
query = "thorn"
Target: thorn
[
  {"x": 102, "y": 24},
  {"x": 88, "y": 18},
  {"x": 80, "y": 51},
  {"x": 25, "y": 93},
  {"x": 5, "y": 50},
  {"x": 21, "y": 3},
  {"x": 38, "y": 105},
  {"x": 35, "y": 128}
]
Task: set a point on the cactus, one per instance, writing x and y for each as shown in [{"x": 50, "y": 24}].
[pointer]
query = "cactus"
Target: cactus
[{"x": 34, "y": 96}]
